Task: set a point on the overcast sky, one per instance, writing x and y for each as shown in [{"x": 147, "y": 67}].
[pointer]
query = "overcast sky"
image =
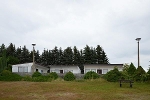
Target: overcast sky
[{"x": 112, "y": 24}]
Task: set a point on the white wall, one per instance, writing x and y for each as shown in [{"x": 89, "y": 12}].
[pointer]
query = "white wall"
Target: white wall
[
  {"x": 57, "y": 68},
  {"x": 22, "y": 67},
  {"x": 42, "y": 69},
  {"x": 103, "y": 67},
  {"x": 27, "y": 68}
]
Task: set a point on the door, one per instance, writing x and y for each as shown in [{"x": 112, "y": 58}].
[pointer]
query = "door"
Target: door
[
  {"x": 99, "y": 71},
  {"x": 61, "y": 71}
]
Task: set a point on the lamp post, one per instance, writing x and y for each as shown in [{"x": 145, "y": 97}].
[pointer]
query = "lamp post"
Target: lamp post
[
  {"x": 138, "y": 39},
  {"x": 33, "y": 52}
]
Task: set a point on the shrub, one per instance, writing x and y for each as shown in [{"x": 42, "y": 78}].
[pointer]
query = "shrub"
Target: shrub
[
  {"x": 140, "y": 74},
  {"x": 91, "y": 75},
  {"x": 69, "y": 76},
  {"x": 6, "y": 73},
  {"x": 9, "y": 76},
  {"x": 36, "y": 74},
  {"x": 113, "y": 75},
  {"x": 53, "y": 75},
  {"x": 27, "y": 78}
]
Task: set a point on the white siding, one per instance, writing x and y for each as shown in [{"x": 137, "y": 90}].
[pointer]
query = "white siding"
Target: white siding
[
  {"x": 104, "y": 67},
  {"x": 22, "y": 67},
  {"x": 57, "y": 68},
  {"x": 27, "y": 68}
]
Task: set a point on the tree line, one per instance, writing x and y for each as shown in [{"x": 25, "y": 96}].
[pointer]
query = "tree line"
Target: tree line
[
  {"x": 129, "y": 72},
  {"x": 55, "y": 56}
]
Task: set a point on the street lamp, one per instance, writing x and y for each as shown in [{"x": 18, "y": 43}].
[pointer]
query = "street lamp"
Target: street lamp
[
  {"x": 33, "y": 52},
  {"x": 138, "y": 39}
]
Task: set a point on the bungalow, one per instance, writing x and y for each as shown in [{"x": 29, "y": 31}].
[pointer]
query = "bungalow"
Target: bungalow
[
  {"x": 102, "y": 68},
  {"x": 64, "y": 69},
  {"x": 28, "y": 68}
]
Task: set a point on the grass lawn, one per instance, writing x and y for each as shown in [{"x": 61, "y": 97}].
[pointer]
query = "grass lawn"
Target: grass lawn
[{"x": 77, "y": 90}]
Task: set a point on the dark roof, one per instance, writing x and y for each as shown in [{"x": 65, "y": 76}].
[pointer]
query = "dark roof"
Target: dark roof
[{"x": 106, "y": 64}]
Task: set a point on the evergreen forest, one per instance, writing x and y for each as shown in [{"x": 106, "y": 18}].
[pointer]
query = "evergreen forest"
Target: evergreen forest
[{"x": 10, "y": 55}]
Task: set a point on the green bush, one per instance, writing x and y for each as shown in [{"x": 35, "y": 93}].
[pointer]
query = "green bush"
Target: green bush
[
  {"x": 113, "y": 75},
  {"x": 69, "y": 76},
  {"x": 53, "y": 75},
  {"x": 36, "y": 74},
  {"x": 27, "y": 78},
  {"x": 9, "y": 76},
  {"x": 6, "y": 73},
  {"x": 91, "y": 75},
  {"x": 140, "y": 74},
  {"x": 38, "y": 77}
]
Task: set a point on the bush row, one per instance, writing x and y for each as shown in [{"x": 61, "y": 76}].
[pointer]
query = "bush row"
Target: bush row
[{"x": 38, "y": 77}]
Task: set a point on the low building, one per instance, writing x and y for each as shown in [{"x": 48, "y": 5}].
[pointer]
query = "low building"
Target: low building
[
  {"x": 29, "y": 68},
  {"x": 101, "y": 68},
  {"x": 64, "y": 69}
]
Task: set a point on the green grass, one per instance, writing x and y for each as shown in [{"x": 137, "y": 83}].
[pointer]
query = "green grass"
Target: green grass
[{"x": 98, "y": 89}]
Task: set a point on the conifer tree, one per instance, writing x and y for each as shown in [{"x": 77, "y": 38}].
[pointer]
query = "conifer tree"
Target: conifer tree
[{"x": 99, "y": 54}]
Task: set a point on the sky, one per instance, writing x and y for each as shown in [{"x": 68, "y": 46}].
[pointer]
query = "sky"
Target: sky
[{"x": 112, "y": 24}]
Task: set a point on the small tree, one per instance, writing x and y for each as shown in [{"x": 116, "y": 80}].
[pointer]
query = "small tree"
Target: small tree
[
  {"x": 36, "y": 74},
  {"x": 69, "y": 76},
  {"x": 131, "y": 71},
  {"x": 125, "y": 71},
  {"x": 139, "y": 74},
  {"x": 148, "y": 74},
  {"x": 3, "y": 61},
  {"x": 113, "y": 75},
  {"x": 91, "y": 75},
  {"x": 53, "y": 75}
]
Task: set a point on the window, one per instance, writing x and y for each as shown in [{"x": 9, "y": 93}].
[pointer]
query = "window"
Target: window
[
  {"x": 61, "y": 71},
  {"x": 22, "y": 69},
  {"x": 41, "y": 71},
  {"x": 57, "y": 71},
  {"x": 87, "y": 70},
  {"x": 65, "y": 71},
  {"x": 94, "y": 70},
  {"x": 36, "y": 70},
  {"x": 99, "y": 71},
  {"x": 105, "y": 71},
  {"x": 25, "y": 69}
]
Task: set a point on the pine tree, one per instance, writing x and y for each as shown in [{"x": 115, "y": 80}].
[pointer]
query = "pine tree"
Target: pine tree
[
  {"x": 3, "y": 61},
  {"x": 11, "y": 50},
  {"x": 76, "y": 56},
  {"x": 18, "y": 54},
  {"x": 104, "y": 58},
  {"x": 99, "y": 51},
  {"x": 131, "y": 70},
  {"x": 87, "y": 55},
  {"x": 60, "y": 59},
  {"x": 2, "y": 48},
  {"x": 93, "y": 56},
  {"x": 139, "y": 73},
  {"x": 68, "y": 56},
  {"x": 25, "y": 56}
]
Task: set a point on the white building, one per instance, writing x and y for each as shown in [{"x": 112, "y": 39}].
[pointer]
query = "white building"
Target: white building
[
  {"x": 28, "y": 68},
  {"x": 65, "y": 68},
  {"x": 101, "y": 68}
]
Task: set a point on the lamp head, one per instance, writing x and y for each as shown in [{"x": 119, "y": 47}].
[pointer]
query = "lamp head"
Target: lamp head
[
  {"x": 138, "y": 39},
  {"x": 33, "y": 44}
]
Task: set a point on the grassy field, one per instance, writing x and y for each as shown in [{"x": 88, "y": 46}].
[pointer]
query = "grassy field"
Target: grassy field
[{"x": 77, "y": 90}]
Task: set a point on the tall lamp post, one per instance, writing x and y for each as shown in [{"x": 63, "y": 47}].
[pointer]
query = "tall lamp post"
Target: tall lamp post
[
  {"x": 138, "y": 39},
  {"x": 33, "y": 52}
]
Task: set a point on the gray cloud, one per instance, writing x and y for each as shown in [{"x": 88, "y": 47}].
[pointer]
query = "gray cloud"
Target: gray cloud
[{"x": 112, "y": 24}]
